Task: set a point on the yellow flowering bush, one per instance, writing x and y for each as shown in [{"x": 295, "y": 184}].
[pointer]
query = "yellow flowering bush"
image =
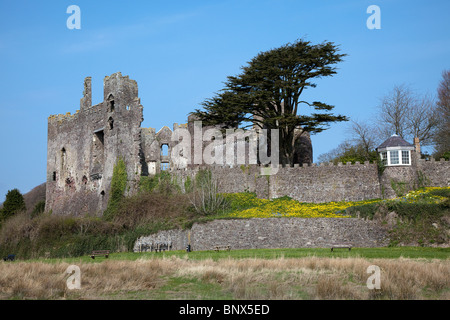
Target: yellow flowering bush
[
  {"x": 431, "y": 194},
  {"x": 247, "y": 205}
]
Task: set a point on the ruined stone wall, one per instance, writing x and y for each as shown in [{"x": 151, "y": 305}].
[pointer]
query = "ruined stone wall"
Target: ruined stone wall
[
  {"x": 83, "y": 148},
  {"x": 271, "y": 233},
  {"x": 306, "y": 184}
]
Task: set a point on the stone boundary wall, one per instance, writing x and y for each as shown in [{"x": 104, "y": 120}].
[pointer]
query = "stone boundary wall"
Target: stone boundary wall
[
  {"x": 435, "y": 173},
  {"x": 259, "y": 233},
  {"x": 307, "y": 183},
  {"x": 326, "y": 182},
  {"x": 401, "y": 179}
]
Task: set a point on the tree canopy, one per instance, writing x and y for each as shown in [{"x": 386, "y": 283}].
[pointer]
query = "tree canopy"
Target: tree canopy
[
  {"x": 14, "y": 203},
  {"x": 267, "y": 94}
]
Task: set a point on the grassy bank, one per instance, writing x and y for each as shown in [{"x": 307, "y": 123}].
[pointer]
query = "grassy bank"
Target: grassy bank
[
  {"x": 426, "y": 253},
  {"x": 420, "y": 218},
  {"x": 248, "y": 274}
]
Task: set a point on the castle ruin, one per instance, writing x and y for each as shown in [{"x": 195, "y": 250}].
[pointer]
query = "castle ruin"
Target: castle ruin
[{"x": 83, "y": 148}]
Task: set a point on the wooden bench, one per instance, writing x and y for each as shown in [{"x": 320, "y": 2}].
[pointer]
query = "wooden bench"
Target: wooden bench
[
  {"x": 217, "y": 248},
  {"x": 97, "y": 253},
  {"x": 163, "y": 246},
  {"x": 341, "y": 246}
]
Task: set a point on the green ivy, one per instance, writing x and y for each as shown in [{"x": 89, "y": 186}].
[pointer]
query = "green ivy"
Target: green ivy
[{"x": 118, "y": 187}]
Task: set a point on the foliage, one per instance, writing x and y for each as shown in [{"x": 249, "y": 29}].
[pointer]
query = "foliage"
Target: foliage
[
  {"x": 247, "y": 205},
  {"x": 354, "y": 154},
  {"x": 349, "y": 152},
  {"x": 423, "y": 215},
  {"x": 422, "y": 179},
  {"x": 381, "y": 167},
  {"x": 68, "y": 236},
  {"x": 426, "y": 201},
  {"x": 205, "y": 198},
  {"x": 267, "y": 93},
  {"x": 38, "y": 208},
  {"x": 399, "y": 187},
  {"x": 188, "y": 185},
  {"x": 56, "y": 236},
  {"x": 118, "y": 187},
  {"x": 161, "y": 182},
  {"x": 13, "y": 204},
  {"x": 446, "y": 155},
  {"x": 148, "y": 183},
  {"x": 148, "y": 208}
]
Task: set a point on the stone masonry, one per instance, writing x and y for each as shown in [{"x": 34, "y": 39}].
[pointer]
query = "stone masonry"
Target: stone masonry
[{"x": 268, "y": 233}]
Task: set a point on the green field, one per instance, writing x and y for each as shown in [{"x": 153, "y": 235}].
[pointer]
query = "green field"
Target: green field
[{"x": 368, "y": 253}]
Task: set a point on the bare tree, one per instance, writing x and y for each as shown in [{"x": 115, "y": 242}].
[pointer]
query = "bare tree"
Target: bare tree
[
  {"x": 408, "y": 115},
  {"x": 393, "y": 111},
  {"x": 335, "y": 153},
  {"x": 422, "y": 120},
  {"x": 365, "y": 135},
  {"x": 442, "y": 134}
]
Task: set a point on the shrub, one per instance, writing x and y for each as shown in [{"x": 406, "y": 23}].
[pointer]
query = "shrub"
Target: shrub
[
  {"x": 61, "y": 236},
  {"x": 188, "y": 185},
  {"x": 14, "y": 203},
  {"x": 423, "y": 216},
  {"x": 399, "y": 187},
  {"x": 162, "y": 183},
  {"x": 147, "y": 183},
  {"x": 150, "y": 208},
  {"x": 38, "y": 208},
  {"x": 205, "y": 197}
]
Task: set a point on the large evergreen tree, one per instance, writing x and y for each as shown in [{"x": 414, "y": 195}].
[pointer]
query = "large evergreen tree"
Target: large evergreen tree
[{"x": 267, "y": 94}]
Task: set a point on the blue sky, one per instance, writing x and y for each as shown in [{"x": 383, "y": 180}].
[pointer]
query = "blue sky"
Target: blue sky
[{"x": 180, "y": 52}]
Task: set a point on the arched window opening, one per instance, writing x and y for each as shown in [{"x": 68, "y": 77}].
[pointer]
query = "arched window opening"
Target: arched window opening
[
  {"x": 110, "y": 103},
  {"x": 63, "y": 158},
  {"x": 111, "y": 123},
  {"x": 164, "y": 150}
]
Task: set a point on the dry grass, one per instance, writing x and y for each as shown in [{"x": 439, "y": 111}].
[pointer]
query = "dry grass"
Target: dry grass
[{"x": 299, "y": 278}]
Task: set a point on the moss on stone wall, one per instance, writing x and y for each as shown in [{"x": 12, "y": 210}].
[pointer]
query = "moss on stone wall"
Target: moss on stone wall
[{"x": 118, "y": 187}]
